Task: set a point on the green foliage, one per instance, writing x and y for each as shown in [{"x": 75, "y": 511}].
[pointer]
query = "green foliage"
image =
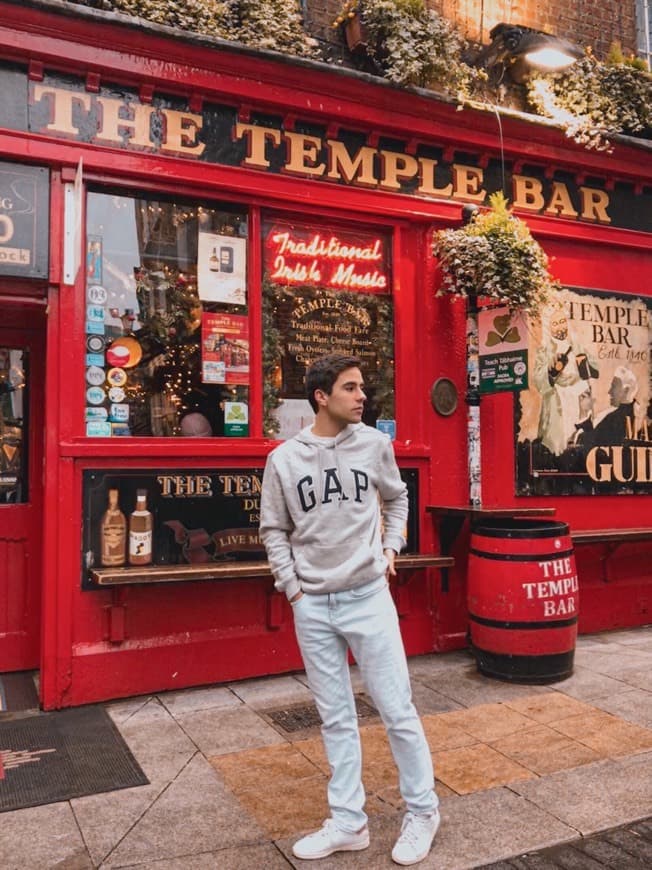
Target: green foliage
[
  {"x": 272, "y": 351},
  {"x": 276, "y": 25},
  {"x": 208, "y": 17},
  {"x": 175, "y": 322},
  {"x": 411, "y": 44},
  {"x": 616, "y": 57},
  {"x": 263, "y": 24},
  {"x": 494, "y": 255},
  {"x": 594, "y": 100}
]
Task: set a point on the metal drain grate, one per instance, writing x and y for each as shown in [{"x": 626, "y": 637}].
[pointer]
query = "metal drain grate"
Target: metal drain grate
[{"x": 303, "y": 716}]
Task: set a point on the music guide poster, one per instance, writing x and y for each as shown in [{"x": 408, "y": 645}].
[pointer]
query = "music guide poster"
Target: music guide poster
[
  {"x": 224, "y": 348},
  {"x": 326, "y": 290},
  {"x": 584, "y": 424}
]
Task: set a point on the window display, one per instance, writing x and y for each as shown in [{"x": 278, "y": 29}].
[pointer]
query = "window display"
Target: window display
[
  {"x": 325, "y": 290},
  {"x": 13, "y": 422},
  {"x": 167, "y": 339}
]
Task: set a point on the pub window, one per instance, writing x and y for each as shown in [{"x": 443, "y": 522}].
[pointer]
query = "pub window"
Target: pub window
[
  {"x": 644, "y": 30},
  {"x": 325, "y": 289},
  {"x": 167, "y": 328}
]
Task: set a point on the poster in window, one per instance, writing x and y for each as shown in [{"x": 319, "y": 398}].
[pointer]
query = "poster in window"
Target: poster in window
[
  {"x": 222, "y": 269},
  {"x": 325, "y": 290},
  {"x": 225, "y": 348},
  {"x": 93, "y": 261},
  {"x": 584, "y": 425}
]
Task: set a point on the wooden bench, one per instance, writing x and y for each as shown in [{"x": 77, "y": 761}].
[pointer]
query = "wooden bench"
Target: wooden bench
[
  {"x": 612, "y": 540},
  {"x": 152, "y": 574},
  {"x": 604, "y": 536}
]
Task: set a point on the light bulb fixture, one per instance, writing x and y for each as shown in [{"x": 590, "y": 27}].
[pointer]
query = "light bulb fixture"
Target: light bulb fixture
[{"x": 517, "y": 51}]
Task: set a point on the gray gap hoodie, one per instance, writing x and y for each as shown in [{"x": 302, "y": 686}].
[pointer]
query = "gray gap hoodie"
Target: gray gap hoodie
[{"x": 321, "y": 506}]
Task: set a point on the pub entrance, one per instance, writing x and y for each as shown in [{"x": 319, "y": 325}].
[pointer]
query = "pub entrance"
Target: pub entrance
[{"x": 22, "y": 379}]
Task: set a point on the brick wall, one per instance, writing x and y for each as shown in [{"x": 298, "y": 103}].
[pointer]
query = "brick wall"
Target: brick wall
[
  {"x": 319, "y": 16},
  {"x": 586, "y": 22}
]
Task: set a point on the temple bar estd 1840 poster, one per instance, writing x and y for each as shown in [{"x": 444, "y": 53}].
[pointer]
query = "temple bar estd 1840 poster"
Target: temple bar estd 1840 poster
[{"x": 584, "y": 424}]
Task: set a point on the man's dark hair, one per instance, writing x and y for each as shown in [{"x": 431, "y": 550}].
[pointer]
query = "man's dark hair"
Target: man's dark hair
[{"x": 323, "y": 373}]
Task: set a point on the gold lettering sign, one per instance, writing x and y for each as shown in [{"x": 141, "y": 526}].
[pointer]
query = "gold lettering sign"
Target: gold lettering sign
[
  {"x": 120, "y": 122},
  {"x": 620, "y": 464},
  {"x": 127, "y": 123},
  {"x": 185, "y": 485}
]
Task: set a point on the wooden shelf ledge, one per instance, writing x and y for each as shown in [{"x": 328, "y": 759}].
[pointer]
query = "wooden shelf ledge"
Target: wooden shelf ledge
[
  {"x": 478, "y": 512},
  {"x": 604, "y": 536},
  {"x": 152, "y": 574}
]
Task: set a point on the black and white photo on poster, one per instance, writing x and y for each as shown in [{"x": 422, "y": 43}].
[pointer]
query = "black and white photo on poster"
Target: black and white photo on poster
[
  {"x": 583, "y": 425},
  {"x": 222, "y": 268}
]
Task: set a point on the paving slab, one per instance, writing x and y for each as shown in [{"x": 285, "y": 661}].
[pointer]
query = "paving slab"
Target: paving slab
[
  {"x": 104, "y": 819},
  {"x": 626, "y": 848},
  {"x": 427, "y": 700},
  {"x": 608, "y": 735},
  {"x": 476, "y": 768},
  {"x": 626, "y": 637},
  {"x": 426, "y": 666},
  {"x": 490, "y": 826},
  {"x": 121, "y": 711},
  {"x": 271, "y": 691},
  {"x": 468, "y": 687},
  {"x": 442, "y": 734},
  {"x": 266, "y": 857},
  {"x": 544, "y": 750},
  {"x": 488, "y": 722},
  {"x": 633, "y": 705},
  {"x": 223, "y": 730},
  {"x": 548, "y": 708},
  {"x": 192, "y": 700},
  {"x": 615, "y": 663},
  {"x": 42, "y": 837},
  {"x": 157, "y": 741},
  {"x": 596, "y": 796},
  {"x": 195, "y": 814},
  {"x": 640, "y": 678},
  {"x": 587, "y": 685}
]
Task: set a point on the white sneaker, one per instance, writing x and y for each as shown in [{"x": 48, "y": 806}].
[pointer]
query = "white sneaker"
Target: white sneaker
[
  {"x": 415, "y": 840},
  {"x": 329, "y": 839}
]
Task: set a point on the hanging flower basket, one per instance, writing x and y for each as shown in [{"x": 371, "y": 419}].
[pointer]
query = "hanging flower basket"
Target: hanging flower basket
[{"x": 495, "y": 256}]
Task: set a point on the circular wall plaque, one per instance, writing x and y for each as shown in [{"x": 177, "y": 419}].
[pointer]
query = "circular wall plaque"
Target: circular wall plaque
[{"x": 443, "y": 396}]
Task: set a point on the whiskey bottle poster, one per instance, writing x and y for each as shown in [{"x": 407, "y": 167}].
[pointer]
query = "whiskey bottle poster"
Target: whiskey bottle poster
[
  {"x": 222, "y": 268},
  {"x": 179, "y": 516},
  {"x": 170, "y": 517}
]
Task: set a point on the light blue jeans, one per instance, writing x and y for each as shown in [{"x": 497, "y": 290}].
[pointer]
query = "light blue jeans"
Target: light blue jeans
[{"x": 364, "y": 620}]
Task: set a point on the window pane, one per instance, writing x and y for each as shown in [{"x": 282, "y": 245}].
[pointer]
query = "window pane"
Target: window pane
[
  {"x": 644, "y": 28},
  {"x": 325, "y": 290},
  {"x": 167, "y": 341},
  {"x": 13, "y": 425}
]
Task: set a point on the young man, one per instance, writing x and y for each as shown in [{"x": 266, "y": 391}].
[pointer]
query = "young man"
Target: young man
[{"x": 322, "y": 498}]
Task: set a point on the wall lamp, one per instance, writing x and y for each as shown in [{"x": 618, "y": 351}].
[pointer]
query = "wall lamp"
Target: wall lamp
[{"x": 518, "y": 51}]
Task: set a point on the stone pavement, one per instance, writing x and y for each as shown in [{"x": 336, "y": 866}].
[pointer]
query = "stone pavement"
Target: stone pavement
[{"x": 528, "y": 776}]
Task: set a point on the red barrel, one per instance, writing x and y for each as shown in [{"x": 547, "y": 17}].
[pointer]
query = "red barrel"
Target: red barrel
[{"x": 523, "y": 600}]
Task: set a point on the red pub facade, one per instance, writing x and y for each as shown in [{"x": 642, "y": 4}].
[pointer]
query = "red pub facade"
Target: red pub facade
[{"x": 184, "y": 225}]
